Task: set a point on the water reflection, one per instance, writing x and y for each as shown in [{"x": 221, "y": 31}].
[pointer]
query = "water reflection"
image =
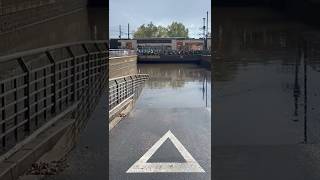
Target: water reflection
[
  {"x": 266, "y": 73},
  {"x": 176, "y": 85}
]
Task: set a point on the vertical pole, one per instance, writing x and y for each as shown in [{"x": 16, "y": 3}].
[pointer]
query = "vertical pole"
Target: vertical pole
[
  {"x": 88, "y": 74},
  {"x": 118, "y": 94},
  {"x": 73, "y": 64},
  {"x": 207, "y": 31},
  {"x": 54, "y": 80},
  {"x": 128, "y": 32},
  {"x": 3, "y": 100},
  {"x": 119, "y": 31},
  {"x": 15, "y": 109},
  {"x": 36, "y": 98},
  {"x": 45, "y": 93},
  {"x": 27, "y": 93},
  {"x": 207, "y": 23},
  {"x": 204, "y": 32}
]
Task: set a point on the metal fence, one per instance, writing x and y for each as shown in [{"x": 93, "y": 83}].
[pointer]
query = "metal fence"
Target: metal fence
[
  {"x": 125, "y": 87},
  {"x": 121, "y": 52},
  {"x": 38, "y": 85}
]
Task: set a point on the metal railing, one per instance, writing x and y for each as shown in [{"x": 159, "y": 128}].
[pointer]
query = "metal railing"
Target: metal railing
[
  {"x": 121, "y": 52},
  {"x": 38, "y": 85},
  {"x": 125, "y": 87}
]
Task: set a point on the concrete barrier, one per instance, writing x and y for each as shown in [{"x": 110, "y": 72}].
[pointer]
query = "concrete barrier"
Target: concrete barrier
[
  {"x": 169, "y": 59},
  {"x": 122, "y": 66}
]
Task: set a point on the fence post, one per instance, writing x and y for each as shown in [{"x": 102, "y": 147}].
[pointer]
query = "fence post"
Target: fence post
[
  {"x": 74, "y": 97},
  {"x": 27, "y": 93},
  {"x": 88, "y": 70},
  {"x": 3, "y": 102},
  {"x": 131, "y": 85},
  {"x": 54, "y": 79},
  {"x": 126, "y": 87},
  {"x": 117, "y": 96},
  {"x": 100, "y": 67}
]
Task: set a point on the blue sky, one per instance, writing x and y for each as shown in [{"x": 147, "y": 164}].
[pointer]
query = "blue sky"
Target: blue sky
[{"x": 160, "y": 12}]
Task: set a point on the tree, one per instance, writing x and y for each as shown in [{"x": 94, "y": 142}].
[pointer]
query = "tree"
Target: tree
[
  {"x": 146, "y": 31},
  {"x": 150, "y": 30},
  {"x": 162, "y": 32},
  {"x": 177, "y": 30}
]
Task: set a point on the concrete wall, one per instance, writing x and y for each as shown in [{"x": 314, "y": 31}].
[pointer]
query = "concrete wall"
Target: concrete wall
[
  {"x": 168, "y": 59},
  {"x": 122, "y": 66},
  {"x": 75, "y": 28},
  {"x": 19, "y": 13}
]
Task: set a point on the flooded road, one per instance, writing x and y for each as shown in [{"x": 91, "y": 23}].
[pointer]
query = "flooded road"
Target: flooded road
[
  {"x": 173, "y": 83},
  {"x": 266, "y": 96},
  {"x": 176, "y": 98}
]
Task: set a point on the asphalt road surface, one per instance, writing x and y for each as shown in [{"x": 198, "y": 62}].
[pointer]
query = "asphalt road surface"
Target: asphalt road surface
[{"x": 163, "y": 107}]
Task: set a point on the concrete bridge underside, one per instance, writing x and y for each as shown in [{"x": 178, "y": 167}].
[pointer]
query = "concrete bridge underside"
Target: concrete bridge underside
[
  {"x": 13, "y": 13},
  {"x": 303, "y": 10}
]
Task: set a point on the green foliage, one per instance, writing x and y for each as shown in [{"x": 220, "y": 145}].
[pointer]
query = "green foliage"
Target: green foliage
[
  {"x": 177, "y": 30},
  {"x": 150, "y": 30}
]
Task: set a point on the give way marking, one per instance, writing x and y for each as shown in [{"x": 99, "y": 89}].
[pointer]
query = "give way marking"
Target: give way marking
[{"x": 141, "y": 166}]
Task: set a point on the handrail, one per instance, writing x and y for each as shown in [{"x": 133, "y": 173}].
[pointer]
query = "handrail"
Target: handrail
[{"x": 121, "y": 88}]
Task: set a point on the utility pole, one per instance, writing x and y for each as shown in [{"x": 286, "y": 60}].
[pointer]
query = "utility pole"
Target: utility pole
[
  {"x": 207, "y": 31},
  {"x": 119, "y": 31},
  {"x": 128, "y": 32},
  {"x": 207, "y": 24},
  {"x": 204, "y": 32}
]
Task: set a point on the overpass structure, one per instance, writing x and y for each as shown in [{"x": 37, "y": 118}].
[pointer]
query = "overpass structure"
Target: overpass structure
[
  {"x": 303, "y": 10},
  {"x": 13, "y": 13}
]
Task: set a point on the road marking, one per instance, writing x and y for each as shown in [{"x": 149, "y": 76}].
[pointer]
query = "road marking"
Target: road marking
[{"x": 141, "y": 166}]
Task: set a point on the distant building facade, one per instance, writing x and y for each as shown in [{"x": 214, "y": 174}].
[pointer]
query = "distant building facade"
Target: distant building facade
[{"x": 175, "y": 44}]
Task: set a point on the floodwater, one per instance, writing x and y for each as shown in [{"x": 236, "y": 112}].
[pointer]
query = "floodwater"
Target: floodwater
[
  {"x": 266, "y": 96},
  {"x": 176, "y": 85},
  {"x": 85, "y": 24},
  {"x": 176, "y": 98}
]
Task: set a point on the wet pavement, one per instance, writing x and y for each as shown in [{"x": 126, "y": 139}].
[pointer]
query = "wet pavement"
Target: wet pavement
[
  {"x": 266, "y": 97},
  {"x": 176, "y": 98},
  {"x": 89, "y": 158}
]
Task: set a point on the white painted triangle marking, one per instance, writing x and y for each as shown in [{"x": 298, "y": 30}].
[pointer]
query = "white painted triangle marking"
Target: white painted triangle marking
[{"x": 141, "y": 166}]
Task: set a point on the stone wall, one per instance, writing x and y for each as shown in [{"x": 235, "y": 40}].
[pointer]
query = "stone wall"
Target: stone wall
[{"x": 19, "y": 13}]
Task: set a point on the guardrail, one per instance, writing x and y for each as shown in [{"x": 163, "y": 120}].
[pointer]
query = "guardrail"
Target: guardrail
[
  {"x": 121, "y": 52},
  {"x": 37, "y": 85},
  {"x": 125, "y": 87}
]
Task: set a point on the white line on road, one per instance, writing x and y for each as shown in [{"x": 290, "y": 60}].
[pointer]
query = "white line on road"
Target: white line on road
[{"x": 141, "y": 166}]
